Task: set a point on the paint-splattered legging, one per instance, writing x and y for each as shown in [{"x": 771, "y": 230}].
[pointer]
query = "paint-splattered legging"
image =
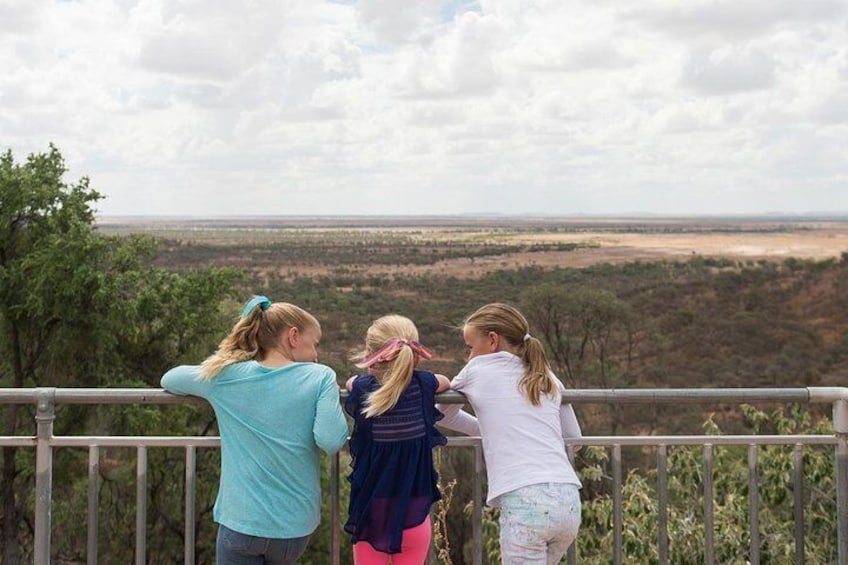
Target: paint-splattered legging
[{"x": 538, "y": 523}]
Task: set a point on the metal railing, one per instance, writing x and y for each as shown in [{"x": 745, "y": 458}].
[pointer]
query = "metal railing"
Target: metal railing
[{"x": 44, "y": 442}]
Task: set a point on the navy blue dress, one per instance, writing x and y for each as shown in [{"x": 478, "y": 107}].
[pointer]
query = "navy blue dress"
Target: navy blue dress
[{"x": 393, "y": 482}]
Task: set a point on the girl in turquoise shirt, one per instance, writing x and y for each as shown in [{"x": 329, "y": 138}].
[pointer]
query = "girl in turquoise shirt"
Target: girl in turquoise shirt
[{"x": 276, "y": 409}]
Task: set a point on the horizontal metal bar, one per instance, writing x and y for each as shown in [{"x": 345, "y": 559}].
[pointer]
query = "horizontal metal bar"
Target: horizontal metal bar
[
  {"x": 828, "y": 394},
  {"x": 686, "y": 395},
  {"x": 681, "y": 396},
  {"x": 453, "y": 441},
  {"x": 135, "y": 441},
  {"x": 122, "y": 396},
  {"x": 464, "y": 441},
  {"x": 701, "y": 440},
  {"x": 615, "y": 396},
  {"x": 17, "y": 395},
  {"x": 18, "y": 441},
  {"x": 181, "y": 441}
]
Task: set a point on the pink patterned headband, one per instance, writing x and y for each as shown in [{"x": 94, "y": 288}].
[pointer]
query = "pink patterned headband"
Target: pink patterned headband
[{"x": 391, "y": 350}]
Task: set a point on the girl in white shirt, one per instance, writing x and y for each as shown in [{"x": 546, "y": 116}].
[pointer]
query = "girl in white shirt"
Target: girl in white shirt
[{"x": 523, "y": 423}]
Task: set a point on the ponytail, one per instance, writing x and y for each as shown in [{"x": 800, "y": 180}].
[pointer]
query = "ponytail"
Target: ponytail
[
  {"x": 257, "y": 332},
  {"x": 392, "y": 348},
  {"x": 394, "y": 383},
  {"x": 538, "y": 379},
  {"x": 241, "y": 345}
]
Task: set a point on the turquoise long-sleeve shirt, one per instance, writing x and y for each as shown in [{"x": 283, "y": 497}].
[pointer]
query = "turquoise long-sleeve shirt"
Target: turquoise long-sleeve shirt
[{"x": 273, "y": 424}]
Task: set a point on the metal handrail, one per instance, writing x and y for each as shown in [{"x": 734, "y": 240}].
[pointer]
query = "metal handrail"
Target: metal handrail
[
  {"x": 804, "y": 395},
  {"x": 46, "y": 399}
]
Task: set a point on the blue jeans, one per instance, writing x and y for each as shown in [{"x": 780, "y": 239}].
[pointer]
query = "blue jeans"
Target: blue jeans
[
  {"x": 538, "y": 523},
  {"x": 234, "y": 548}
]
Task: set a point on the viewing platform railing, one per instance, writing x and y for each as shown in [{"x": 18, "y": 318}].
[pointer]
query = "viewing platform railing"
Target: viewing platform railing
[{"x": 44, "y": 442}]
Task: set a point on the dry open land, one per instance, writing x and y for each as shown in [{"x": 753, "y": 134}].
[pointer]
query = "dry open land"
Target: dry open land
[{"x": 474, "y": 246}]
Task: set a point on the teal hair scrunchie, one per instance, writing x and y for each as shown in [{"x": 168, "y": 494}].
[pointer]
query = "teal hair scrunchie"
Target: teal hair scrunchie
[{"x": 262, "y": 301}]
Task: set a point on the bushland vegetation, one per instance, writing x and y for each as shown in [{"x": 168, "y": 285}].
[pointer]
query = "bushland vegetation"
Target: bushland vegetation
[
  {"x": 339, "y": 249},
  {"x": 81, "y": 307}
]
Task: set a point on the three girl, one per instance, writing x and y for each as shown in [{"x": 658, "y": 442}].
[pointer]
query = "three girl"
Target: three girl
[{"x": 276, "y": 409}]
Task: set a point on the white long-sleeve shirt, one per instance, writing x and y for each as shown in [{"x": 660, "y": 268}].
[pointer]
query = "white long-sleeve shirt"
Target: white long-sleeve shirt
[{"x": 523, "y": 444}]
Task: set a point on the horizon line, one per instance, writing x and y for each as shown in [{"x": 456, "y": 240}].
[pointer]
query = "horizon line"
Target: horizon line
[{"x": 483, "y": 215}]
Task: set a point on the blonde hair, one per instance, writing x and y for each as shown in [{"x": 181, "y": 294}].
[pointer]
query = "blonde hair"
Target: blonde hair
[
  {"x": 512, "y": 326},
  {"x": 395, "y": 375},
  {"x": 255, "y": 334}
]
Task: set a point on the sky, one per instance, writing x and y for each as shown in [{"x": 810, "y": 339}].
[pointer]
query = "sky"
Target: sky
[{"x": 418, "y": 107}]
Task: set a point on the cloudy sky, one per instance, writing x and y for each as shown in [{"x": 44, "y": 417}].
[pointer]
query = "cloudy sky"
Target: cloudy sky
[{"x": 218, "y": 107}]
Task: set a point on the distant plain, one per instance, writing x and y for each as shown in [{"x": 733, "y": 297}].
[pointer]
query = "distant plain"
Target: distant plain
[{"x": 471, "y": 247}]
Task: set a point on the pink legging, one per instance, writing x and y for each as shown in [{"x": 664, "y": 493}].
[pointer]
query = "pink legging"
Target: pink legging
[{"x": 414, "y": 548}]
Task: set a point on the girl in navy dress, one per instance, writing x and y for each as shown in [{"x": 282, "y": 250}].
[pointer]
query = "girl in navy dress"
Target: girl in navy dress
[{"x": 393, "y": 481}]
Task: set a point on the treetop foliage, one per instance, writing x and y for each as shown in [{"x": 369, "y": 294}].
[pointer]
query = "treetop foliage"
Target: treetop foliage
[{"x": 81, "y": 309}]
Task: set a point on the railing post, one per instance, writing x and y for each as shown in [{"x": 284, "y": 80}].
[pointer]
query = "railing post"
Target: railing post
[
  {"x": 617, "y": 520},
  {"x": 335, "y": 495},
  {"x": 662, "y": 504},
  {"x": 709, "y": 525},
  {"x": 479, "y": 501},
  {"x": 571, "y": 555},
  {"x": 45, "y": 413},
  {"x": 93, "y": 504},
  {"x": 141, "y": 506},
  {"x": 840, "y": 430},
  {"x": 798, "y": 488},
  {"x": 190, "y": 487}
]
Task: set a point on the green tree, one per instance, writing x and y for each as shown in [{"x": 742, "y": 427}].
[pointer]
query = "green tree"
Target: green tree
[
  {"x": 730, "y": 500},
  {"x": 588, "y": 333},
  {"x": 579, "y": 326},
  {"x": 81, "y": 309},
  {"x": 685, "y": 525}
]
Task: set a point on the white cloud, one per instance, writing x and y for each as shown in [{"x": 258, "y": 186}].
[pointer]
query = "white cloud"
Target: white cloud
[
  {"x": 728, "y": 71},
  {"x": 18, "y": 17},
  {"x": 558, "y": 106},
  {"x": 212, "y": 39},
  {"x": 733, "y": 19},
  {"x": 395, "y": 23},
  {"x": 461, "y": 62}
]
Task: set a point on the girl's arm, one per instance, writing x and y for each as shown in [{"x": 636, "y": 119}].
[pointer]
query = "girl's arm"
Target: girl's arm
[
  {"x": 330, "y": 427},
  {"x": 458, "y": 419},
  {"x": 567, "y": 419},
  {"x": 455, "y": 418},
  {"x": 568, "y": 422},
  {"x": 184, "y": 380},
  {"x": 349, "y": 383}
]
